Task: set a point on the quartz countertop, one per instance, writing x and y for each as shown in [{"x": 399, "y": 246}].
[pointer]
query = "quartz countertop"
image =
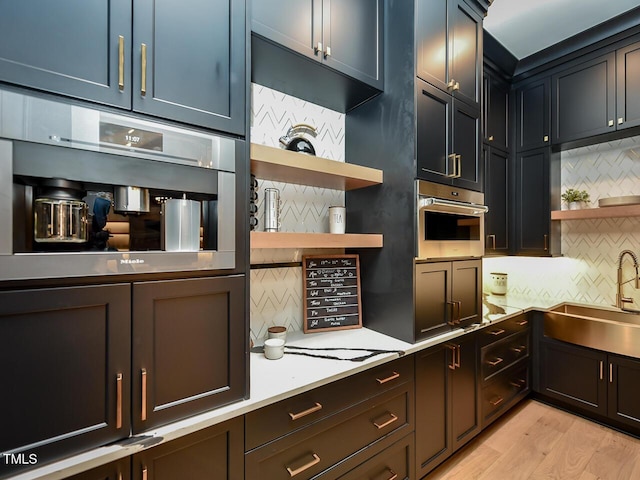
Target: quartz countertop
[{"x": 275, "y": 380}]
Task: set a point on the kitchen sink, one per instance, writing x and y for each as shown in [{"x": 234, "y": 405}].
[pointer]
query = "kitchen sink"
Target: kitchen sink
[{"x": 600, "y": 328}]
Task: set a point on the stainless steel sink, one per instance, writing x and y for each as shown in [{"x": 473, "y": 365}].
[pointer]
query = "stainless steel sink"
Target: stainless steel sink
[{"x": 601, "y": 328}]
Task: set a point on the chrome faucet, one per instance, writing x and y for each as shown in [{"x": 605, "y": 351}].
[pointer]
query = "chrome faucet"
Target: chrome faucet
[{"x": 620, "y": 299}]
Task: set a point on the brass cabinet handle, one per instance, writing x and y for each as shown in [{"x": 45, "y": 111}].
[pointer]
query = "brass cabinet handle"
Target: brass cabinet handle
[
  {"x": 393, "y": 376},
  {"x": 294, "y": 472},
  {"x": 393, "y": 476},
  {"x": 519, "y": 349},
  {"x": 380, "y": 426},
  {"x": 517, "y": 383},
  {"x": 327, "y": 52},
  {"x": 119, "y": 475},
  {"x": 456, "y": 86},
  {"x": 545, "y": 138},
  {"x": 490, "y": 138},
  {"x": 496, "y": 362},
  {"x": 119, "y": 401},
  {"x": 120, "y": 62},
  {"x": 304, "y": 413},
  {"x": 459, "y": 305},
  {"x": 452, "y": 366},
  {"x": 457, "y": 364},
  {"x": 496, "y": 401},
  {"x": 144, "y": 473},
  {"x": 452, "y": 157},
  {"x": 611, "y": 123},
  {"x": 546, "y": 242},
  {"x": 522, "y": 323},
  {"x": 601, "y": 370},
  {"x": 610, "y": 372},
  {"x": 143, "y": 67},
  {"x": 451, "y": 85},
  {"x": 318, "y": 48},
  {"x": 458, "y": 166},
  {"x": 143, "y": 410},
  {"x": 492, "y": 237},
  {"x": 620, "y": 121},
  {"x": 495, "y": 333}
]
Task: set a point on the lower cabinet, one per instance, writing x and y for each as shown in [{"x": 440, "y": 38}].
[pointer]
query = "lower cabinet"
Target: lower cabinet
[
  {"x": 65, "y": 356},
  {"x": 118, "y": 470},
  {"x": 212, "y": 453},
  {"x": 447, "y": 410},
  {"x": 594, "y": 382}
]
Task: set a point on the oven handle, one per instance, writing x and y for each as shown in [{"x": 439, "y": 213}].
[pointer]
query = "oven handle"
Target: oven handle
[{"x": 451, "y": 206}]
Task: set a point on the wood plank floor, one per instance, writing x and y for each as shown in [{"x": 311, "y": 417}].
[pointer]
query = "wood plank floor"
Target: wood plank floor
[{"x": 537, "y": 441}]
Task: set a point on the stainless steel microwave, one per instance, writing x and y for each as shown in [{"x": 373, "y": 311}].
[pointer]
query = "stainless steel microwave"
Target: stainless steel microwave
[{"x": 450, "y": 222}]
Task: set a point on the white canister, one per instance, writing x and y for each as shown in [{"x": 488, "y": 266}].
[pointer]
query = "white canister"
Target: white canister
[
  {"x": 337, "y": 219},
  {"x": 181, "y": 225},
  {"x": 498, "y": 283}
]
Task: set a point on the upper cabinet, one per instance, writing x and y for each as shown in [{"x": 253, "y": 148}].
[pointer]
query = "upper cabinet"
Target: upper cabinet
[
  {"x": 449, "y": 47},
  {"x": 183, "y": 62},
  {"x": 495, "y": 111},
  {"x": 533, "y": 115},
  {"x": 628, "y": 86},
  {"x": 345, "y": 36}
]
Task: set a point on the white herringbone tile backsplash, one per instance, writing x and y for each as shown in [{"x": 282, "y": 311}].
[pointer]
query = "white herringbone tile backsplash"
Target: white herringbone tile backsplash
[{"x": 276, "y": 294}]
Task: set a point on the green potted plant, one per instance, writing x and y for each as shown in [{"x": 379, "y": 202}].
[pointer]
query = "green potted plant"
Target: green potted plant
[{"x": 575, "y": 198}]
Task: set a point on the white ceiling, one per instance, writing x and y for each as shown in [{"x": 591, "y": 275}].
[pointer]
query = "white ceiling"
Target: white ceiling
[{"x": 527, "y": 26}]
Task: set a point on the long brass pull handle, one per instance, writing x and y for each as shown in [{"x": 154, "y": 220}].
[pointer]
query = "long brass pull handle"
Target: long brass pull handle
[
  {"x": 458, "y": 165},
  {"x": 143, "y": 67},
  {"x": 393, "y": 418},
  {"x": 304, "y": 413},
  {"x": 496, "y": 362},
  {"x": 546, "y": 242},
  {"x": 452, "y": 157},
  {"x": 517, "y": 383},
  {"x": 393, "y": 376},
  {"x": 143, "y": 410},
  {"x": 601, "y": 370},
  {"x": 458, "y": 349},
  {"x": 610, "y": 372},
  {"x": 452, "y": 366},
  {"x": 119, "y": 475},
  {"x": 459, "y": 305},
  {"x": 522, "y": 323},
  {"x": 496, "y": 401},
  {"x": 294, "y": 472},
  {"x": 145, "y": 473},
  {"x": 393, "y": 476},
  {"x": 119, "y": 401},
  {"x": 495, "y": 333},
  {"x": 492, "y": 237},
  {"x": 519, "y": 349},
  {"x": 120, "y": 62}
]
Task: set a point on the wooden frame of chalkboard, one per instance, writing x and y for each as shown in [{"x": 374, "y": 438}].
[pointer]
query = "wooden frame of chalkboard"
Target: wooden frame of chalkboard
[{"x": 331, "y": 292}]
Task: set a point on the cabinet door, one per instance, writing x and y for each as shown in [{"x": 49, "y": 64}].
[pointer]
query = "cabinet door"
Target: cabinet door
[
  {"x": 533, "y": 115},
  {"x": 353, "y": 33},
  {"x": 188, "y": 348},
  {"x": 432, "y": 46},
  {"x": 624, "y": 390},
  {"x": 496, "y": 197},
  {"x": 433, "y": 435},
  {"x": 118, "y": 470},
  {"x": 189, "y": 61},
  {"x": 465, "y": 57},
  {"x": 65, "y": 354},
  {"x": 466, "y": 146},
  {"x": 273, "y": 20},
  {"x": 533, "y": 213},
  {"x": 434, "y": 110},
  {"x": 574, "y": 375},
  {"x": 465, "y": 418},
  {"x": 433, "y": 307},
  {"x": 213, "y": 453},
  {"x": 628, "y": 91},
  {"x": 70, "y": 47},
  {"x": 584, "y": 99},
  {"x": 496, "y": 111},
  {"x": 466, "y": 291}
]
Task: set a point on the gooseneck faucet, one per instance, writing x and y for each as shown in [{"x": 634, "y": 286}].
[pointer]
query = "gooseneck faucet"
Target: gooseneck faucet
[{"x": 620, "y": 299}]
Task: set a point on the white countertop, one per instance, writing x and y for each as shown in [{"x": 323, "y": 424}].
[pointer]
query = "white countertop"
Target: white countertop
[{"x": 275, "y": 380}]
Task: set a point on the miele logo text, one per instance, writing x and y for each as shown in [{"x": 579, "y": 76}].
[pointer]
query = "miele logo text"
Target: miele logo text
[
  {"x": 20, "y": 458},
  {"x": 130, "y": 261}
]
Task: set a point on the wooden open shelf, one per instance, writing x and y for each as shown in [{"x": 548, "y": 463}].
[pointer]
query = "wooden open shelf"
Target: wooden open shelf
[
  {"x": 315, "y": 240},
  {"x": 276, "y": 164},
  {"x": 601, "y": 212}
]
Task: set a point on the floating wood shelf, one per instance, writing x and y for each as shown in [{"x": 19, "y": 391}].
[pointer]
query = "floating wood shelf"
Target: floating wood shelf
[
  {"x": 602, "y": 212},
  {"x": 315, "y": 240},
  {"x": 269, "y": 163}
]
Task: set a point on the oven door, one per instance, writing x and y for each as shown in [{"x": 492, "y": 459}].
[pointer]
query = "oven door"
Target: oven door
[{"x": 449, "y": 229}]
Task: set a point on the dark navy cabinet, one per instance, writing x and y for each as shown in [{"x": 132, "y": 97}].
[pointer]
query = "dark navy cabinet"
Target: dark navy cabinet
[
  {"x": 346, "y": 36},
  {"x": 497, "y": 190},
  {"x": 183, "y": 61},
  {"x": 628, "y": 86},
  {"x": 533, "y": 114}
]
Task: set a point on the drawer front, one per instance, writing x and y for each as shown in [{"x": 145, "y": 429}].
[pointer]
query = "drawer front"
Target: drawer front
[
  {"x": 503, "y": 329},
  {"x": 503, "y": 389},
  {"x": 273, "y": 421},
  {"x": 500, "y": 355},
  {"x": 310, "y": 452},
  {"x": 395, "y": 463}
]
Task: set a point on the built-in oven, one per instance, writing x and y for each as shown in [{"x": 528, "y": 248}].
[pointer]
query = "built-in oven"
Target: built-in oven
[
  {"x": 450, "y": 222},
  {"x": 87, "y": 192}
]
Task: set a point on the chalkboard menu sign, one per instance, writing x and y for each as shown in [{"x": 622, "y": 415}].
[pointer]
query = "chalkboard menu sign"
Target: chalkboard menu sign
[{"x": 331, "y": 292}]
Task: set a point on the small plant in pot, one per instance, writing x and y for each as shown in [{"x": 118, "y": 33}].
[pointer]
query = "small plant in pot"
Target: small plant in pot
[{"x": 575, "y": 198}]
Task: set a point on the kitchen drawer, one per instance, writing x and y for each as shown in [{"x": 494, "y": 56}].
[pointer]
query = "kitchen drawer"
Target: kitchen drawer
[
  {"x": 273, "y": 421},
  {"x": 395, "y": 462},
  {"x": 503, "y": 329},
  {"x": 500, "y": 355},
  {"x": 500, "y": 393},
  {"x": 321, "y": 446}
]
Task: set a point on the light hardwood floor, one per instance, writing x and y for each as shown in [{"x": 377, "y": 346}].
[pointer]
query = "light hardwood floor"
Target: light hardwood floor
[{"x": 537, "y": 441}]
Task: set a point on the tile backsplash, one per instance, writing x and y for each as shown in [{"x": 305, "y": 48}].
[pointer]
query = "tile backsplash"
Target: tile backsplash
[{"x": 276, "y": 293}]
